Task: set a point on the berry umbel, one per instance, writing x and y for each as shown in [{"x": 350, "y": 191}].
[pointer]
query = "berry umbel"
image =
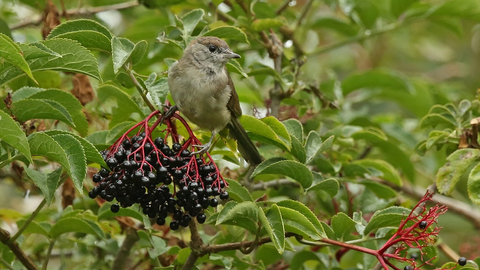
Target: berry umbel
[{"x": 163, "y": 179}]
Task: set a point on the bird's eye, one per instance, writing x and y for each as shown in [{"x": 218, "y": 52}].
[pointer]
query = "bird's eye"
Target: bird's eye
[{"x": 212, "y": 48}]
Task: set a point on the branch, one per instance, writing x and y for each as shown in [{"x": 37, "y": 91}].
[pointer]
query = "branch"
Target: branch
[
  {"x": 21, "y": 256},
  {"x": 130, "y": 239},
  {"x": 276, "y": 94},
  {"x": 28, "y": 221},
  {"x": 274, "y": 184},
  {"x": 49, "y": 252},
  {"x": 461, "y": 208},
  {"x": 139, "y": 88},
  {"x": 79, "y": 13},
  {"x": 196, "y": 245}
]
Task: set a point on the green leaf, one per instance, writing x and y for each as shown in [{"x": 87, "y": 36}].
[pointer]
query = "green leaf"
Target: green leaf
[
  {"x": 465, "y": 9},
  {"x": 367, "y": 12},
  {"x": 330, "y": 186},
  {"x": 89, "y": 33},
  {"x": 228, "y": 32},
  {"x": 244, "y": 214},
  {"x": 381, "y": 169},
  {"x": 300, "y": 257},
  {"x": 158, "y": 89},
  {"x": 11, "y": 52},
  {"x": 43, "y": 145},
  {"x": 273, "y": 223},
  {"x": 261, "y": 131},
  {"x": 382, "y": 191},
  {"x": 238, "y": 192},
  {"x": 139, "y": 51},
  {"x": 314, "y": 145},
  {"x": 68, "y": 56},
  {"x": 457, "y": 164},
  {"x": 306, "y": 212},
  {"x": 234, "y": 66},
  {"x": 265, "y": 24},
  {"x": 342, "y": 225},
  {"x": 117, "y": 131},
  {"x": 91, "y": 153},
  {"x": 294, "y": 221},
  {"x": 33, "y": 227},
  {"x": 190, "y": 21},
  {"x": 298, "y": 150},
  {"x": 294, "y": 128},
  {"x": 376, "y": 79},
  {"x": 76, "y": 158},
  {"x": 125, "y": 105},
  {"x": 335, "y": 24},
  {"x": 74, "y": 224},
  {"x": 104, "y": 213},
  {"x": 122, "y": 48},
  {"x": 11, "y": 133},
  {"x": 293, "y": 169},
  {"x": 27, "y": 109},
  {"x": 473, "y": 185},
  {"x": 159, "y": 247},
  {"x": 70, "y": 103},
  {"x": 47, "y": 183},
  {"x": 397, "y": 7},
  {"x": 389, "y": 217}
]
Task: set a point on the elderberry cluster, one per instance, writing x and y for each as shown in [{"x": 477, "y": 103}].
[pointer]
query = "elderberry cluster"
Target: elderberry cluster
[{"x": 163, "y": 180}]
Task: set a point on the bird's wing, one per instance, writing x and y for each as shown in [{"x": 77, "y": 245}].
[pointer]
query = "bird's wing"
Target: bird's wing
[{"x": 233, "y": 104}]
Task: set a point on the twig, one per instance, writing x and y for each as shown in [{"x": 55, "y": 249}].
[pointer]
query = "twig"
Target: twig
[
  {"x": 238, "y": 245},
  {"x": 17, "y": 251},
  {"x": 49, "y": 252},
  {"x": 139, "y": 88},
  {"x": 28, "y": 221},
  {"x": 461, "y": 208},
  {"x": 306, "y": 8},
  {"x": 2, "y": 260},
  {"x": 276, "y": 94},
  {"x": 282, "y": 7},
  {"x": 196, "y": 245},
  {"x": 447, "y": 250},
  {"x": 130, "y": 239},
  {"x": 79, "y": 12}
]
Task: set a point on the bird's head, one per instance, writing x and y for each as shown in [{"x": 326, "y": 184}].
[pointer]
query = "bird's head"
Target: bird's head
[{"x": 211, "y": 51}]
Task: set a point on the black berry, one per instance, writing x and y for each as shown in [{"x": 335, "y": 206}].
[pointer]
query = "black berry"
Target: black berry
[
  {"x": 462, "y": 261},
  {"x": 174, "y": 225},
  {"x": 422, "y": 225},
  {"x": 224, "y": 195},
  {"x": 201, "y": 218},
  {"x": 408, "y": 267},
  {"x": 115, "y": 207}
]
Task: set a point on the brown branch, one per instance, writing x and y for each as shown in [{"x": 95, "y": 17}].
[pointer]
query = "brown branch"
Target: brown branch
[
  {"x": 78, "y": 13},
  {"x": 122, "y": 255},
  {"x": 196, "y": 245},
  {"x": 282, "y": 7},
  {"x": 17, "y": 251},
  {"x": 276, "y": 93}
]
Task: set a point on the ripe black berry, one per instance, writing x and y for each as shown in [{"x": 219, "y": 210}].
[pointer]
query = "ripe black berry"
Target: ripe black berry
[
  {"x": 158, "y": 142},
  {"x": 176, "y": 147},
  {"x": 224, "y": 195},
  {"x": 115, "y": 207},
  {"x": 408, "y": 267},
  {"x": 160, "y": 221},
  {"x": 97, "y": 178},
  {"x": 462, "y": 261},
  {"x": 422, "y": 225},
  {"x": 214, "y": 202},
  {"x": 92, "y": 193},
  {"x": 201, "y": 218},
  {"x": 185, "y": 220},
  {"x": 174, "y": 225},
  {"x": 177, "y": 215},
  {"x": 104, "y": 172},
  {"x": 112, "y": 162}
]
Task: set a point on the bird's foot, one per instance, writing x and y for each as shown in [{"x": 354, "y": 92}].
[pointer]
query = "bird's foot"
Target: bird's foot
[
  {"x": 202, "y": 149},
  {"x": 169, "y": 113}
]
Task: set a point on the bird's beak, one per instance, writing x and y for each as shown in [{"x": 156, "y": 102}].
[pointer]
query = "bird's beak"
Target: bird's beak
[{"x": 230, "y": 54}]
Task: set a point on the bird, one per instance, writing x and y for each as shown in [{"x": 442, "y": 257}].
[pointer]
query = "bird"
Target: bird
[{"x": 203, "y": 91}]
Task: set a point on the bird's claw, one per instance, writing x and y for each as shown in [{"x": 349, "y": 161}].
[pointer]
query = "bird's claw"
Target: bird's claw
[{"x": 202, "y": 149}]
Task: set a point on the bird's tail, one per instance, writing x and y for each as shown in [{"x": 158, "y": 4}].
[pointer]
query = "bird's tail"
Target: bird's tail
[{"x": 245, "y": 145}]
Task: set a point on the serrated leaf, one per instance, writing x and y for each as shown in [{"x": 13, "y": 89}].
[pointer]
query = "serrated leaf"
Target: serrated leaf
[
  {"x": 260, "y": 131},
  {"x": 306, "y": 212},
  {"x": 117, "y": 131},
  {"x": 139, "y": 51},
  {"x": 122, "y": 48},
  {"x": 293, "y": 169},
  {"x": 125, "y": 105},
  {"x": 70, "y": 56},
  {"x": 294, "y": 128},
  {"x": 312, "y": 145},
  {"x": 70, "y": 103},
  {"x": 47, "y": 183},
  {"x": 158, "y": 89},
  {"x": 228, "y": 32},
  {"x": 43, "y": 145},
  {"x": 74, "y": 224},
  {"x": 265, "y": 24},
  {"x": 330, "y": 186},
  {"x": 11, "y": 52},
  {"x": 27, "y": 109},
  {"x": 91, "y": 153},
  {"x": 33, "y": 227},
  {"x": 190, "y": 21},
  {"x": 78, "y": 25},
  {"x": 234, "y": 66},
  {"x": 295, "y": 222},
  {"x": 105, "y": 213},
  {"x": 389, "y": 217},
  {"x": 298, "y": 150},
  {"x": 244, "y": 215},
  {"x": 381, "y": 169},
  {"x": 382, "y": 191},
  {"x": 473, "y": 185},
  {"x": 342, "y": 225},
  {"x": 11, "y": 133},
  {"x": 273, "y": 223},
  {"x": 238, "y": 192},
  {"x": 76, "y": 158},
  {"x": 457, "y": 163}
]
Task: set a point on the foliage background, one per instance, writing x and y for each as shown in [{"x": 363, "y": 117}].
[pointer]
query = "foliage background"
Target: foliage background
[{"x": 367, "y": 72}]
